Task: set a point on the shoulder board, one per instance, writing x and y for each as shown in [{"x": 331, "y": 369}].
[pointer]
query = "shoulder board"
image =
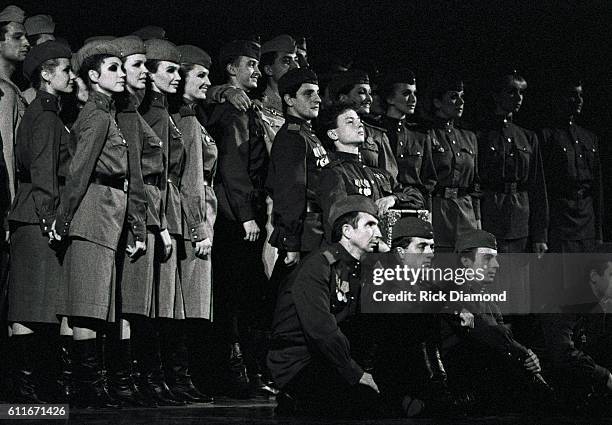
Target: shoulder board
[
  {"x": 329, "y": 257},
  {"x": 294, "y": 127},
  {"x": 369, "y": 125},
  {"x": 48, "y": 105}
]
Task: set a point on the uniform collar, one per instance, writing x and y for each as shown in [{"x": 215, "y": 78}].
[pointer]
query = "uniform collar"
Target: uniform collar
[
  {"x": 49, "y": 101},
  {"x": 159, "y": 99},
  {"x": 291, "y": 119},
  {"x": 348, "y": 156},
  {"x": 187, "y": 108},
  {"x": 443, "y": 123},
  {"x": 343, "y": 255},
  {"x": 101, "y": 100}
]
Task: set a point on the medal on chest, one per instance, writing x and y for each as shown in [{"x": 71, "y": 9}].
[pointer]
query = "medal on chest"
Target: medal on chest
[
  {"x": 363, "y": 186},
  {"x": 321, "y": 156},
  {"x": 342, "y": 288}
]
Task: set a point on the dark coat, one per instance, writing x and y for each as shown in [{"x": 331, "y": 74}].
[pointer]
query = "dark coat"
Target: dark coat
[{"x": 376, "y": 150}]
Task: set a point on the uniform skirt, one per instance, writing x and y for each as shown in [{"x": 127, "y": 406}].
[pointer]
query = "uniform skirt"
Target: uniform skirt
[
  {"x": 168, "y": 283},
  {"x": 452, "y": 217},
  {"x": 194, "y": 299},
  {"x": 136, "y": 280},
  {"x": 88, "y": 287},
  {"x": 35, "y": 277}
]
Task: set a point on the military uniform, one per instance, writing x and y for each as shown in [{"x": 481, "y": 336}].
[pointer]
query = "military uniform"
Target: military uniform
[
  {"x": 376, "y": 150},
  {"x": 513, "y": 204},
  {"x": 573, "y": 172},
  {"x": 347, "y": 175},
  {"x": 455, "y": 203},
  {"x": 411, "y": 146}
]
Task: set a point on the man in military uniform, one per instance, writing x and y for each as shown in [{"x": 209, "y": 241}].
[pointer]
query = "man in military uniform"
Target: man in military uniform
[
  {"x": 573, "y": 173},
  {"x": 239, "y": 186},
  {"x": 348, "y": 175},
  {"x": 310, "y": 357},
  {"x": 353, "y": 88},
  {"x": 487, "y": 353},
  {"x": 39, "y": 28},
  {"x": 409, "y": 142}
]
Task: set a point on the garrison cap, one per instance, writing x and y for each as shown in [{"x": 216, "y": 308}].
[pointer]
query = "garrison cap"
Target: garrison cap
[
  {"x": 129, "y": 45},
  {"x": 475, "y": 238},
  {"x": 98, "y": 38},
  {"x": 346, "y": 80},
  {"x": 39, "y": 24},
  {"x": 446, "y": 82},
  {"x": 236, "y": 48},
  {"x": 162, "y": 50},
  {"x": 352, "y": 203},
  {"x": 282, "y": 43},
  {"x": 412, "y": 227},
  {"x": 43, "y": 52},
  {"x": 99, "y": 47},
  {"x": 193, "y": 54},
  {"x": 296, "y": 77},
  {"x": 149, "y": 32},
  {"x": 12, "y": 13},
  {"x": 399, "y": 76}
]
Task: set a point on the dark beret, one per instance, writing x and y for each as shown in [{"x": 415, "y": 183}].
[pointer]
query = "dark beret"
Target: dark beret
[
  {"x": 162, "y": 50},
  {"x": 149, "y": 32},
  {"x": 282, "y": 43},
  {"x": 39, "y": 24},
  {"x": 12, "y": 13},
  {"x": 475, "y": 238},
  {"x": 129, "y": 45},
  {"x": 296, "y": 77},
  {"x": 352, "y": 203},
  {"x": 412, "y": 227},
  {"x": 344, "y": 81},
  {"x": 233, "y": 49},
  {"x": 193, "y": 54},
  {"x": 446, "y": 82},
  {"x": 98, "y": 47},
  {"x": 43, "y": 52},
  {"x": 399, "y": 76}
]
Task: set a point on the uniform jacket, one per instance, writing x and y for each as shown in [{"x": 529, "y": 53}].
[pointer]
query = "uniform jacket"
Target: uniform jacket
[
  {"x": 154, "y": 109},
  {"x": 573, "y": 173},
  {"x": 12, "y": 105},
  {"x": 37, "y": 152},
  {"x": 197, "y": 195},
  {"x": 98, "y": 149},
  {"x": 376, "y": 150},
  {"x": 130, "y": 123},
  {"x": 509, "y": 154},
  {"x": 348, "y": 175},
  {"x": 411, "y": 145},
  {"x": 320, "y": 294},
  {"x": 271, "y": 116},
  {"x": 242, "y": 163},
  {"x": 295, "y": 166}
]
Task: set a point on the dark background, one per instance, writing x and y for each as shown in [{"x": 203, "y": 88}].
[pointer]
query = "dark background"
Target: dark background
[{"x": 544, "y": 40}]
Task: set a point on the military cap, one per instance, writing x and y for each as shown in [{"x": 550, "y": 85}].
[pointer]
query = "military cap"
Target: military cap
[
  {"x": 39, "y": 24},
  {"x": 296, "y": 77},
  {"x": 129, "y": 45},
  {"x": 162, "y": 50},
  {"x": 475, "y": 238},
  {"x": 43, "y": 52},
  {"x": 93, "y": 48},
  {"x": 446, "y": 82},
  {"x": 98, "y": 38},
  {"x": 399, "y": 76},
  {"x": 352, "y": 203},
  {"x": 282, "y": 43},
  {"x": 346, "y": 80},
  {"x": 412, "y": 227},
  {"x": 150, "y": 32},
  {"x": 193, "y": 54},
  {"x": 236, "y": 48},
  {"x": 12, "y": 13}
]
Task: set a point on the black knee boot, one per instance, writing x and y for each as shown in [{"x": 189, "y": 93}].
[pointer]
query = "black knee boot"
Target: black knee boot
[
  {"x": 91, "y": 386},
  {"x": 64, "y": 377},
  {"x": 24, "y": 379},
  {"x": 123, "y": 386}
]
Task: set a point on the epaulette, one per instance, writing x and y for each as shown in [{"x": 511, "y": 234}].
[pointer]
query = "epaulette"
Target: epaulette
[
  {"x": 294, "y": 127},
  {"x": 48, "y": 104},
  {"x": 186, "y": 111},
  {"x": 331, "y": 258},
  {"x": 374, "y": 126}
]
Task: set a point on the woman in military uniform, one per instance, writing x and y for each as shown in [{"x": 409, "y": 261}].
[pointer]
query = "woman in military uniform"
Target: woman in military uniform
[
  {"x": 455, "y": 205},
  {"x": 36, "y": 255},
  {"x": 90, "y": 218}
]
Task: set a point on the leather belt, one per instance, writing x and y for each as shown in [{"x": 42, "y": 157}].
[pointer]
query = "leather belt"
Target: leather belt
[
  {"x": 313, "y": 207},
  {"x": 451, "y": 192},
  {"x": 116, "y": 183},
  {"x": 152, "y": 179}
]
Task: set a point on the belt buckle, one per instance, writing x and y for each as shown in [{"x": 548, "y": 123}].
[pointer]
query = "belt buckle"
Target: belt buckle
[
  {"x": 451, "y": 192},
  {"x": 125, "y": 185},
  {"x": 510, "y": 188}
]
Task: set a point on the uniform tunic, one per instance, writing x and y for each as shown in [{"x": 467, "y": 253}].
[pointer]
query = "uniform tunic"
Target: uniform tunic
[
  {"x": 295, "y": 167},
  {"x": 199, "y": 213},
  {"x": 154, "y": 110},
  {"x": 573, "y": 173},
  {"x": 36, "y": 272},
  {"x": 411, "y": 146},
  {"x": 376, "y": 150},
  {"x": 455, "y": 207},
  {"x": 347, "y": 175},
  {"x": 513, "y": 203},
  {"x": 92, "y": 210}
]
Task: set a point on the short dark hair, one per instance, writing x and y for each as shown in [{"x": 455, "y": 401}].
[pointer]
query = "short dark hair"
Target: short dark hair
[
  {"x": 3, "y": 30},
  {"x": 351, "y": 218},
  {"x": 328, "y": 120},
  {"x": 48, "y": 66},
  {"x": 401, "y": 242},
  {"x": 92, "y": 63},
  {"x": 152, "y": 65},
  {"x": 470, "y": 253},
  {"x": 502, "y": 81},
  {"x": 292, "y": 92}
]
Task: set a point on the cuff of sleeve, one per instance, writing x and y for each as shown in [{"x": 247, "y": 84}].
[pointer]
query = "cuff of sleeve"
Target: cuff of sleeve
[
  {"x": 139, "y": 230},
  {"x": 46, "y": 223},
  {"x": 197, "y": 232},
  {"x": 245, "y": 212},
  {"x": 352, "y": 372}
]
